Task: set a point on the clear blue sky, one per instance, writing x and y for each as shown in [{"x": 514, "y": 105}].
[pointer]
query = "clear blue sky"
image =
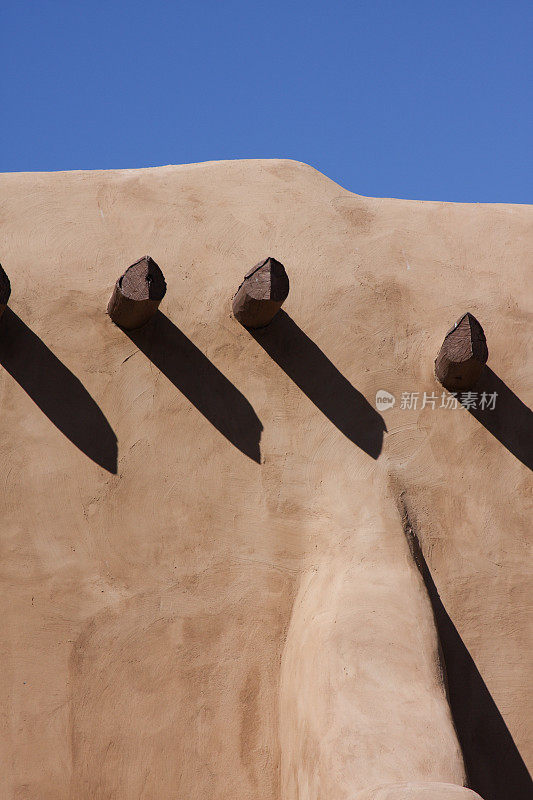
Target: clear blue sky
[{"x": 396, "y": 98}]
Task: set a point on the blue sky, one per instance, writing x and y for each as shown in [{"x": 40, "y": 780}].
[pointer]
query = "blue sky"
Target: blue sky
[{"x": 394, "y": 98}]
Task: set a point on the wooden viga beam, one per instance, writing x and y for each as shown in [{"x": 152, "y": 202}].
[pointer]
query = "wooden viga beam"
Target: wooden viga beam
[
  {"x": 463, "y": 355},
  {"x": 261, "y": 294},
  {"x": 137, "y": 294}
]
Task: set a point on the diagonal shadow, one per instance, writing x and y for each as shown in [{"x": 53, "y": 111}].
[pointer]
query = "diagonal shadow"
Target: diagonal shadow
[
  {"x": 511, "y": 421},
  {"x": 201, "y": 382},
  {"x": 312, "y": 371},
  {"x": 495, "y": 769},
  {"x": 57, "y": 391}
]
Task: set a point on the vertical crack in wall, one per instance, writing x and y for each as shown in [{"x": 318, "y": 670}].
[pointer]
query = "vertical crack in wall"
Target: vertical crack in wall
[
  {"x": 494, "y": 767},
  {"x": 415, "y": 547}
]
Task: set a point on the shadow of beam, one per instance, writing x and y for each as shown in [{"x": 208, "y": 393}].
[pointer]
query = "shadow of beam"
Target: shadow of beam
[
  {"x": 312, "y": 371},
  {"x": 511, "y": 421},
  {"x": 495, "y": 769},
  {"x": 201, "y": 382},
  {"x": 57, "y": 391}
]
